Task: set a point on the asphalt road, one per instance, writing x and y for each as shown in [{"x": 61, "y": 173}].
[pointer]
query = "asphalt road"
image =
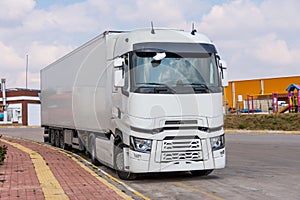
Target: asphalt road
[
  {"x": 35, "y": 134},
  {"x": 259, "y": 166}
]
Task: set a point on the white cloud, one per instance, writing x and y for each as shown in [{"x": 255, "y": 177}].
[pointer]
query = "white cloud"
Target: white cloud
[
  {"x": 72, "y": 18},
  {"x": 41, "y": 55},
  {"x": 10, "y": 60},
  {"x": 133, "y": 13},
  {"x": 13, "y": 65},
  {"x": 237, "y": 19},
  {"x": 253, "y": 36},
  {"x": 162, "y": 12},
  {"x": 15, "y": 9},
  {"x": 273, "y": 51},
  {"x": 257, "y": 39},
  {"x": 282, "y": 15}
]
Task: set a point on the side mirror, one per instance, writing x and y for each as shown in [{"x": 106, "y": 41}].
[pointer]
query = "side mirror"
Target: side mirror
[
  {"x": 119, "y": 80},
  {"x": 118, "y": 62},
  {"x": 223, "y": 73}
]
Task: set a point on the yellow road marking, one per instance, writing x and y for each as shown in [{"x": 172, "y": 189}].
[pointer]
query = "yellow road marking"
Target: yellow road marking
[
  {"x": 212, "y": 196},
  {"x": 118, "y": 181},
  {"x": 105, "y": 182},
  {"x": 51, "y": 188},
  {"x": 117, "y": 190},
  {"x": 114, "y": 188}
]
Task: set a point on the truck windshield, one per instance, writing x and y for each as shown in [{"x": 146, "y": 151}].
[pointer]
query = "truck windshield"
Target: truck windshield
[{"x": 175, "y": 73}]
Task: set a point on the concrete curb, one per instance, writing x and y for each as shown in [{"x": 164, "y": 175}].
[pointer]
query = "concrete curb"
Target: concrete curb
[{"x": 18, "y": 126}]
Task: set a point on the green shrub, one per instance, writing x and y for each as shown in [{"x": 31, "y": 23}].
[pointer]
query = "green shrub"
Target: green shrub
[
  {"x": 3, "y": 151},
  {"x": 242, "y": 126}
]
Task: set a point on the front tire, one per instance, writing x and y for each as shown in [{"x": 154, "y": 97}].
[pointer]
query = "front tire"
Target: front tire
[{"x": 119, "y": 164}]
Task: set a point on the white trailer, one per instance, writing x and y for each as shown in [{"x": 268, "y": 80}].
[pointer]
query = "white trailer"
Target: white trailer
[{"x": 139, "y": 101}]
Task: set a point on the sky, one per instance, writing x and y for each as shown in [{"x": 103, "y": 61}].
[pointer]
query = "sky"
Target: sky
[{"x": 257, "y": 39}]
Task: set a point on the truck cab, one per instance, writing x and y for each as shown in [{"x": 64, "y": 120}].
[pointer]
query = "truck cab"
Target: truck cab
[{"x": 168, "y": 102}]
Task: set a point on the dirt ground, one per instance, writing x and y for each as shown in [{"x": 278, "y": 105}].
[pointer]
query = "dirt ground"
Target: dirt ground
[{"x": 285, "y": 122}]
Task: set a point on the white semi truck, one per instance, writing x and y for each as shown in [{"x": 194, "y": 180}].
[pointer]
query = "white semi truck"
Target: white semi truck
[{"x": 139, "y": 101}]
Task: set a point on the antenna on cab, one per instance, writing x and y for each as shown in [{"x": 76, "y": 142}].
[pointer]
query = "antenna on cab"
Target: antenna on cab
[
  {"x": 193, "y": 29},
  {"x": 152, "y": 28}
]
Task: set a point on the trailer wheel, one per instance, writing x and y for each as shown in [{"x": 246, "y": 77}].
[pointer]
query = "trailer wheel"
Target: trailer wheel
[
  {"x": 201, "y": 172},
  {"x": 57, "y": 139},
  {"x": 46, "y": 135},
  {"x": 119, "y": 164},
  {"x": 52, "y": 137},
  {"x": 62, "y": 140}
]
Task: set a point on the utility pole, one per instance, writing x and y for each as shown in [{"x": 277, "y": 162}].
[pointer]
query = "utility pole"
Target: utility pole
[{"x": 26, "y": 70}]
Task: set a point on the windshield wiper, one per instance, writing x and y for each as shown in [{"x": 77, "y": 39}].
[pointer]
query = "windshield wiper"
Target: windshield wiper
[
  {"x": 203, "y": 85},
  {"x": 199, "y": 86},
  {"x": 160, "y": 84}
]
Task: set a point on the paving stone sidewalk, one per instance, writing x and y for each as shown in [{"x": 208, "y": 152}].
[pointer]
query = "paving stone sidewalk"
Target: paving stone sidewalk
[{"x": 18, "y": 176}]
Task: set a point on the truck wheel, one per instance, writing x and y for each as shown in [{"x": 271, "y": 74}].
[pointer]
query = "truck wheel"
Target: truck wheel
[
  {"x": 56, "y": 143},
  {"x": 52, "y": 137},
  {"x": 62, "y": 140},
  {"x": 46, "y": 135},
  {"x": 119, "y": 164},
  {"x": 46, "y": 139},
  {"x": 201, "y": 172},
  {"x": 93, "y": 154}
]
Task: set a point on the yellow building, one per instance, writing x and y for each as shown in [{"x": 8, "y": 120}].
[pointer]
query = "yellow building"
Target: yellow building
[{"x": 235, "y": 95}]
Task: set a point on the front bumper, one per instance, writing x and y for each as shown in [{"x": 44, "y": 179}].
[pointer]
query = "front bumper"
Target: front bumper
[{"x": 179, "y": 154}]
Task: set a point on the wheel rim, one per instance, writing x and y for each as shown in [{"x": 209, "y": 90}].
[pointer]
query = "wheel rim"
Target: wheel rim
[
  {"x": 120, "y": 166},
  {"x": 120, "y": 159},
  {"x": 93, "y": 153}
]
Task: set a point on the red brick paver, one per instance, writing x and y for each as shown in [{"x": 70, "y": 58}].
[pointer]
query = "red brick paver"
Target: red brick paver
[{"x": 19, "y": 180}]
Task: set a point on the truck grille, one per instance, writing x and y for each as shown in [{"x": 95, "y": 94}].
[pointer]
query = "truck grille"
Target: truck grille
[
  {"x": 183, "y": 156},
  {"x": 181, "y": 150}
]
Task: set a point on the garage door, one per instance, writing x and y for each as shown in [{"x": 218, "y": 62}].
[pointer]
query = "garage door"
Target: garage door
[{"x": 34, "y": 114}]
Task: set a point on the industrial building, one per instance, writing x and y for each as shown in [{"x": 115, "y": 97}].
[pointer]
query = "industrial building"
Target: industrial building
[
  {"x": 258, "y": 94},
  {"x": 22, "y": 107}
]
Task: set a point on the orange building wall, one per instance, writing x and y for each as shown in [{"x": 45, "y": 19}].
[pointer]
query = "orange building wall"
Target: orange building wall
[
  {"x": 253, "y": 88},
  {"x": 280, "y": 84}
]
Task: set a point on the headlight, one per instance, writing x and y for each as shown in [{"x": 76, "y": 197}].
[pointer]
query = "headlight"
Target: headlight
[
  {"x": 140, "y": 145},
  {"x": 217, "y": 142}
]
